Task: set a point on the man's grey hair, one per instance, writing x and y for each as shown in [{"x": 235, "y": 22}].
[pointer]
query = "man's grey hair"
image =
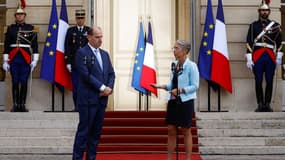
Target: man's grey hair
[{"x": 184, "y": 44}]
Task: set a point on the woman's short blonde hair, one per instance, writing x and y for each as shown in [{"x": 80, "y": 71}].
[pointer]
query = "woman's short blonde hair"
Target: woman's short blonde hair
[{"x": 184, "y": 44}]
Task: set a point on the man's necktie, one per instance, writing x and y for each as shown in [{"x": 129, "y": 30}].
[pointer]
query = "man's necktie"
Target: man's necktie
[{"x": 98, "y": 57}]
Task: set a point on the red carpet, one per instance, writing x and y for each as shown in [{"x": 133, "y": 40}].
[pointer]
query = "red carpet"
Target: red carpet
[
  {"x": 142, "y": 157},
  {"x": 134, "y": 135}
]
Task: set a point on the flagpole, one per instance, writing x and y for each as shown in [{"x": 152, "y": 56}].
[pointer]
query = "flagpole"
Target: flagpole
[
  {"x": 140, "y": 100},
  {"x": 52, "y": 97},
  {"x": 209, "y": 97},
  {"x": 147, "y": 100},
  {"x": 62, "y": 100}
]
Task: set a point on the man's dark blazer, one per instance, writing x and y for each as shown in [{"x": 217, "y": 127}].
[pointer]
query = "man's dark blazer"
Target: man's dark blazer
[{"x": 91, "y": 77}]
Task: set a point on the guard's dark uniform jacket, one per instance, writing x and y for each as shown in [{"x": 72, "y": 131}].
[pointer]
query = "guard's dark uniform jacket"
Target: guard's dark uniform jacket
[
  {"x": 264, "y": 51},
  {"x": 20, "y": 39},
  {"x": 74, "y": 40},
  {"x": 270, "y": 41},
  {"x": 20, "y": 43}
]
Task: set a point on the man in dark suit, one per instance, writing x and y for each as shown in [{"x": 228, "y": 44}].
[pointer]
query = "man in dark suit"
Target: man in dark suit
[
  {"x": 75, "y": 39},
  {"x": 96, "y": 81}
]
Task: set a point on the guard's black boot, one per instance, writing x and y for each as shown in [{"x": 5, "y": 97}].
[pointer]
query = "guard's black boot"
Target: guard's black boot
[
  {"x": 268, "y": 108},
  {"x": 268, "y": 96},
  {"x": 259, "y": 97},
  {"x": 23, "y": 96},
  {"x": 15, "y": 96},
  {"x": 259, "y": 107}
]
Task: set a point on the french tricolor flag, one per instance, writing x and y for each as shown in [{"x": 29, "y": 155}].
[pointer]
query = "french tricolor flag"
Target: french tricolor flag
[
  {"x": 148, "y": 75},
  {"x": 221, "y": 72},
  {"x": 62, "y": 76}
]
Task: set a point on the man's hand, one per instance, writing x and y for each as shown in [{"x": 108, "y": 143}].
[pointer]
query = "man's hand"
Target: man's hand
[{"x": 107, "y": 91}]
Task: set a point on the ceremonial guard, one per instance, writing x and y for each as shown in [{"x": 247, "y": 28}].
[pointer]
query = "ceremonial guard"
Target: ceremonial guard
[
  {"x": 264, "y": 54},
  {"x": 20, "y": 57},
  {"x": 75, "y": 39}
]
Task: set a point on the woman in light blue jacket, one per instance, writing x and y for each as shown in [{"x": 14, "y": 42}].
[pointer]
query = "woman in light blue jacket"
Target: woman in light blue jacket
[{"x": 184, "y": 83}]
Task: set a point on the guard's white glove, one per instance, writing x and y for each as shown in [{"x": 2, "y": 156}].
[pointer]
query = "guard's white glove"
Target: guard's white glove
[
  {"x": 68, "y": 66},
  {"x": 249, "y": 62},
  {"x": 6, "y": 65},
  {"x": 34, "y": 61},
  {"x": 279, "y": 59}
]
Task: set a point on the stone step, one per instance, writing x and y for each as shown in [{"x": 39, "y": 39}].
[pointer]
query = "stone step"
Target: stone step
[
  {"x": 38, "y": 115},
  {"x": 36, "y": 141},
  {"x": 240, "y": 115},
  {"x": 39, "y": 124},
  {"x": 245, "y": 141},
  {"x": 242, "y": 150},
  {"x": 241, "y": 132},
  {"x": 36, "y": 149},
  {"x": 241, "y": 124},
  {"x": 35, "y": 132}
]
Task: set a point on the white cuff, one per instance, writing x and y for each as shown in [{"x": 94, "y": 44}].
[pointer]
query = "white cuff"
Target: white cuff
[
  {"x": 36, "y": 57},
  {"x": 248, "y": 56},
  {"x": 279, "y": 55},
  {"x": 5, "y": 57},
  {"x": 102, "y": 88}
]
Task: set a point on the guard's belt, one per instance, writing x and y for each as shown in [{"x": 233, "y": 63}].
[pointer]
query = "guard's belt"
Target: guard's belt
[
  {"x": 20, "y": 45},
  {"x": 25, "y": 54},
  {"x": 264, "y": 45}
]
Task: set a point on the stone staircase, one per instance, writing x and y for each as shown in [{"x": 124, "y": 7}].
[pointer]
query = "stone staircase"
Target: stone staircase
[
  {"x": 47, "y": 133},
  {"x": 40, "y": 133},
  {"x": 241, "y": 133},
  {"x": 37, "y": 132}
]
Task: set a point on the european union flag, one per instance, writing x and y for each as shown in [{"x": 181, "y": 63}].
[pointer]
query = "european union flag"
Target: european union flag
[
  {"x": 139, "y": 57},
  {"x": 205, "y": 52},
  {"x": 48, "y": 60}
]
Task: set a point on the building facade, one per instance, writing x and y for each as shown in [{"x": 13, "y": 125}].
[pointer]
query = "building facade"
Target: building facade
[{"x": 171, "y": 20}]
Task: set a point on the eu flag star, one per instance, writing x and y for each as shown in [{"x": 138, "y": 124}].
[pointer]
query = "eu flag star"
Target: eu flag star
[
  {"x": 48, "y": 34},
  {"x": 54, "y": 26},
  {"x": 205, "y": 34},
  {"x": 209, "y": 52},
  {"x": 211, "y": 26},
  {"x": 51, "y": 53},
  {"x": 47, "y": 44},
  {"x": 138, "y": 68},
  {"x": 205, "y": 43}
]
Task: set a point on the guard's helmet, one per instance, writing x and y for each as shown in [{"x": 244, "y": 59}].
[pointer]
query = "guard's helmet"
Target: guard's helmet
[
  {"x": 80, "y": 13},
  {"x": 20, "y": 11},
  {"x": 264, "y": 5}
]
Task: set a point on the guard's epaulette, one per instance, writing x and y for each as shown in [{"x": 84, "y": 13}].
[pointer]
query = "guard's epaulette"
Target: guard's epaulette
[{"x": 36, "y": 29}]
